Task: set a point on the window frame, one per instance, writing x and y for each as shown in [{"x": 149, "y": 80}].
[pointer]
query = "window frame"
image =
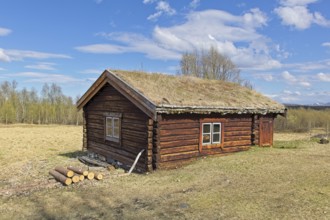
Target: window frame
[
  {"x": 211, "y": 144},
  {"x": 112, "y": 137}
]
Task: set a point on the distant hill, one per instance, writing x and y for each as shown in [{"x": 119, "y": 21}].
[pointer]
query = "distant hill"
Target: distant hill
[{"x": 318, "y": 106}]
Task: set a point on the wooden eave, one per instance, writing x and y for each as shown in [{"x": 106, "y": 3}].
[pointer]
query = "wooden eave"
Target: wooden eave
[
  {"x": 170, "y": 109},
  {"x": 138, "y": 99}
]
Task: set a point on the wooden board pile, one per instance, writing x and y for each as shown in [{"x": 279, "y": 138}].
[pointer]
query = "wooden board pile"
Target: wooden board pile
[{"x": 72, "y": 174}]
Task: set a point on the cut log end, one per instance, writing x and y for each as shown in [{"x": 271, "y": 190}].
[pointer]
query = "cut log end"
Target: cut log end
[
  {"x": 81, "y": 177},
  {"x": 60, "y": 177},
  {"x": 98, "y": 176},
  {"x": 68, "y": 181},
  {"x": 90, "y": 175},
  {"x": 75, "y": 178},
  {"x": 64, "y": 171}
]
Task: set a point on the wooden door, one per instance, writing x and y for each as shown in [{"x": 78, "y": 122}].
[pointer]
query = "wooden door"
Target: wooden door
[{"x": 266, "y": 132}]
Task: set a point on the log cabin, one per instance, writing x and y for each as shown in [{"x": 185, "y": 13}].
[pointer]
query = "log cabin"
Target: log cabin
[{"x": 175, "y": 119}]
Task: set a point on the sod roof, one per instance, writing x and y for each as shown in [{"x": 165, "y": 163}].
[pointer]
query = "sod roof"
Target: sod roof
[
  {"x": 171, "y": 94},
  {"x": 160, "y": 93}
]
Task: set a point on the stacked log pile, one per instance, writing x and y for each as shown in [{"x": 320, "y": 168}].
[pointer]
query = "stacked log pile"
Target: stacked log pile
[{"x": 72, "y": 174}]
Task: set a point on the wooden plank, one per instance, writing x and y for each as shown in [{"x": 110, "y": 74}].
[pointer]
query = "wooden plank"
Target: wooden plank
[
  {"x": 237, "y": 138},
  {"x": 211, "y": 146},
  {"x": 179, "y": 132},
  {"x": 239, "y": 124},
  {"x": 177, "y": 156},
  {"x": 236, "y": 143},
  {"x": 173, "y": 150},
  {"x": 176, "y": 121},
  {"x": 237, "y": 133},
  {"x": 179, "y": 143},
  {"x": 246, "y": 128},
  {"x": 179, "y": 126},
  {"x": 177, "y": 138}
]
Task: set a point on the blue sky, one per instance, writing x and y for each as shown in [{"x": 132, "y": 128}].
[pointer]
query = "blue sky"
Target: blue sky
[{"x": 281, "y": 46}]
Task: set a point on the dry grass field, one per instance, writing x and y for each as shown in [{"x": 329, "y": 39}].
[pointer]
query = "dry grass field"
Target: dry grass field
[{"x": 289, "y": 181}]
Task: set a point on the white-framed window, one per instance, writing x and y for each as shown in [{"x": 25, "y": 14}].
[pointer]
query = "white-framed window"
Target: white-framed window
[
  {"x": 211, "y": 133},
  {"x": 112, "y": 127}
]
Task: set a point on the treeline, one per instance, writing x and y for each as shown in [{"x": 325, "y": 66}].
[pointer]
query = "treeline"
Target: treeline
[
  {"x": 27, "y": 106},
  {"x": 303, "y": 120}
]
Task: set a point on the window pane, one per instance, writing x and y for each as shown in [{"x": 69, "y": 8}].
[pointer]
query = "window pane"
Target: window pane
[
  {"x": 116, "y": 132},
  {"x": 206, "y": 128},
  {"x": 116, "y": 127},
  {"x": 116, "y": 123},
  {"x": 109, "y": 127},
  {"x": 216, "y": 138},
  {"x": 216, "y": 127},
  {"x": 206, "y": 138}
]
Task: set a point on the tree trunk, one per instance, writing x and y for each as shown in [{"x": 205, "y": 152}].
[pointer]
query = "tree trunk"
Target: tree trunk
[
  {"x": 98, "y": 176},
  {"x": 78, "y": 170},
  {"x": 64, "y": 171},
  {"x": 60, "y": 177}
]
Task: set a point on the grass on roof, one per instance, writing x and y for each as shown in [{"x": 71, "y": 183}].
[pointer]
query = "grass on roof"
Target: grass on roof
[{"x": 192, "y": 91}]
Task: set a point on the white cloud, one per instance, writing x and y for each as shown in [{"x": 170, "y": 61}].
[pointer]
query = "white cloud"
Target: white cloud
[
  {"x": 194, "y": 4},
  {"x": 4, "y": 31},
  {"x": 148, "y": 1},
  {"x": 255, "y": 18},
  {"x": 101, "y": 48},
  {"x": 12, "y": 55},
  {"x": 323, "y": 77},
  {"x": 296, "y": 2},
  {"x": 155, "y": 16},
  {"x": 3, "y": 56},
  {"x": 42, "y": 66},
  {"x": 223, "y": 31},
  {"x": 234, "y": 36},
  {"x": 165, "y": 7},
  {"x": 309, "y": 66},
  {"x": 288, "y": 76},
  {"x": 91, "y": 71},
  {"x": 268, "y": 77},
  {"x": 304, "y": 84},
  {"x": 45, "y": 77},
  {"x": 133, "y": 43},
  {"x": 162, "y": 8},
  {"x": 326, "y": 44},
  {"x": 296, "y": 13},
  {"x": 291, "y": 79},
  {"x": 98, "y": 1}
]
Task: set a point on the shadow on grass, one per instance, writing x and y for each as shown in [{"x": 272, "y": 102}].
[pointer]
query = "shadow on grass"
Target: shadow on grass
[
  {"x": 73, "y": 154},
  {"x": 287, "y": 144}
]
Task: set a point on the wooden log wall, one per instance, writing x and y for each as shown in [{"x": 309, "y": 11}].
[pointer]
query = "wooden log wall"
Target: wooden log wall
[
  {"x": 84, "y": 147},
  {"x": 255, "y": 129},
  {"x": 176, "y": 139},
  {"x": 136, "y": 129}
]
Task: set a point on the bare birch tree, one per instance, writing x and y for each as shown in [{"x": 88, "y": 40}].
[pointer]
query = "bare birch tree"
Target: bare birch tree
[{"x": 211, "y": 65}]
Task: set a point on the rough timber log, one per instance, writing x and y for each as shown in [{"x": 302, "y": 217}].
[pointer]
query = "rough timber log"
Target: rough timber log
[
  {"x": 78, "y": 170},
  {"x": 60, "y": 177},
  {"x": 90, "y": 175},
  {"x": 82, "y": 177},
  {"x": 98, "y": 176},
  {"x": 75, "y": 178},
  {"x": 64, "y": 171}
]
